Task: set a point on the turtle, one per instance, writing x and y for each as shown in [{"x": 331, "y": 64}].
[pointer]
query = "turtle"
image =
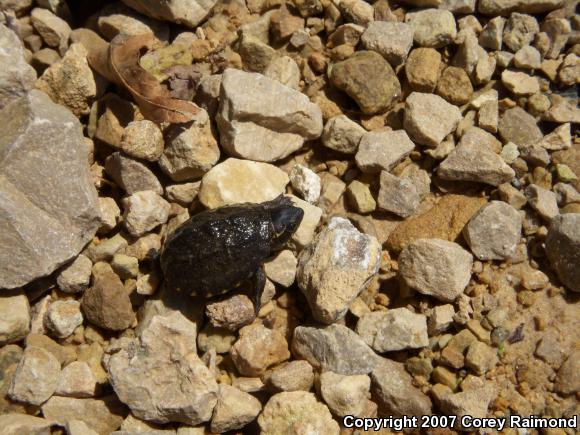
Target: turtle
[{"x": 216, "y": 250}]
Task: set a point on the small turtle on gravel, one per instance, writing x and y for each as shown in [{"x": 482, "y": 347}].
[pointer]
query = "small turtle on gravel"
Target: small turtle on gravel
[{"x": 216, "y": 250}]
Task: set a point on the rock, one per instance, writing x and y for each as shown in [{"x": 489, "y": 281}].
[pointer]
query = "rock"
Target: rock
[
  {"x": 106, "y": 303},
  {"x": 395, "y": 329},
  {"x": 332, "y": 190},
  {"x": 118, "y": 113},
  {"x": 306, "y": 183},
  {"x": 106, "y": 249},
  {"x": 294, "y": 413},
  {"x": 455, "y": 86},
  {"x": 473, "y": 402},
  {"x": 281, "y": 269},
  {"x": 261, "y": 119},
  {"x": 76, "y": 380},
  {"x": 159, "y": 375},
  {"x": 334, "y": 348},
  {"x": 235, "y": 181},
  {"x": 519, "y": 83},
  {"x": 569, "y": 73},
  {"x": 294, "y": 376},
  {"x": 360, "y": 197},
  {"x": 459, "y": 6},
  {"x": 16, "y": 77},
  {"x": 559, "y": 139},
  {"x": 183, "y": 194},
  {"x": 528, "y": 57},
  {"x": 519, "y": 127},
  {"x": 143, "y": 211},
  {"x": 54, "y": 214},
  {"x": 70, "y": 82},
  {"x": 63, "y": 317},
  {"x": 234, "y": 409},
  {"x": 481, "y": 358},
  {"x": 562, "y": 249},
  {"x": 256, "y": 54},
  {"x": 64, "y": 355},
  {"x": 14, "y": 317},
  {"x": 436, "y": 267},
  {"x": 219, "y": 339},
  {"x": 342, "y": 134},
  {"x": 142, "y": 140},
  {"x": 444, "y": 221},
  {"x": 36, "y": 377},
  {"x": 231, "y": 313},
  {"x": 110, "y": 214},
  {"x": 440, "y": 319},
  {"x": 336, "y": 268},
  {"x": 16, "y": 424},
  {"x": 429, "y": 118},
  {"x": 492, "y": 34},
  {"x": 191, "y": 150},
  {"x": 503, "y": 7},
  {"x": 567, "y": 379},
  {"x": 478, "y": 137},
  {"x": 285, "y": 70},
  {"x": 305, "y": 232},
  {"x": 131, "y": 175},
  {"x": 494, "y": 232},
  {"x": 356, "y": 11},
  {"x": 433, "y": 28},
  {"x": 368, "y": 79},
  {"x": 345, "y": 395},
  {"x": 519, "y": 31},
  {"x": 125, "y": 266},
  {"x": 391, "y": 40},
  {"x": 543, "y": 201},
  {"x": 398, "y": 195},
  {"x": 78, "y": 427},
  {"x": 383, "y": 150},
  {"x": 422, "y": 69},
  {"x": 394, "y": 392},
  {"x": 470, "y": 162},
  {"x": 54, "y": 30},
  {"x": 187, "y": 12},
  {"x": 257, "y": 349},
  {"x": 103, "y": 415}
]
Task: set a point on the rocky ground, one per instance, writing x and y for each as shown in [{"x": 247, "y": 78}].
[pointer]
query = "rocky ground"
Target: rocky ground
[{"x": 432, "y": 145}]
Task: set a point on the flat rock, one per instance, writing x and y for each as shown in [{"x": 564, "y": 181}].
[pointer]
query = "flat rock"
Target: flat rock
[
  {"x": 345, "y": 395},
  {"x": 191, "y": 149},
  {"x": 433, "y": 28},
  {"x": 103, "y": 415},
  {"x": 567, "y": 379},
  {"x": 296, "y": 375},
  {"x": 393, "y": 389},
  {"x": 77, "y": 380},
  {"x": 16, "y": 424},
  {"x": 562, "y": 249},
  {"x": 391, "y": 40},
  {"x": 436, "y": 267},
  {"x": 234, "y": 409},
  {"x": 14, "y": 317},
  {"x": 368, "y": 79},
  {"x": 543, "y": 201},
  {"x": 470, "y": 162},
  {"x": 131, "y": 175},
  {"x": 46, "y": 219},
  {"x": 473, "y": 402},
  {"x": 504, "y": 7},
  {"x": 342, "y": 134},
  {"x": 398, "y": 195},
  {"x": 187, "y": 12},
  {"x": 519, "y": 127},
  {"x": 235, "y": 181},
  {"x": 16, "y": 76},
  {"x": 159, "y": 375},
  {"x": 520, "y": 83},
  {"x": 395, "y": 329},
  {"x": 54, "y": 30},
  {"x": 429, "y": 118},
  {"x": 261, "y": 119},
  {"x": 382, "y": 150},
  {"x": 494, "y": 232},
  {"x": 334, "y": 348},
  {"x": 336, "y": 268},
  {"x": 295, "y": 413}
]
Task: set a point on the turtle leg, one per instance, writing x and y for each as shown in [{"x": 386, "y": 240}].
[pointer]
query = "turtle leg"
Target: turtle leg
[{"x": 259, "y": 284}]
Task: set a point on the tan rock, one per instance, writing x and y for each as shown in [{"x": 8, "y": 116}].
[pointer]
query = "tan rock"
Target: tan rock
[
  {"x": 257, "y": 349},
  {"x": 234, "y": 409},
  {"x": 76, "y": 380},
  {"x": 14, "y": 317},
  {"x": 36, "y": 377},
  {"x": 143, "y": 140},
  {"x": 422, "y": 69}
]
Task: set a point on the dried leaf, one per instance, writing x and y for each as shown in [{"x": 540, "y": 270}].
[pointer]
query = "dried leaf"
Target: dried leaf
[{"x": 154, "y": 100}]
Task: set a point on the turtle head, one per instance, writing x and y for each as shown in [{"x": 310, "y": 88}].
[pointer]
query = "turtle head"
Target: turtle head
[{"x": 286, "y": 218}]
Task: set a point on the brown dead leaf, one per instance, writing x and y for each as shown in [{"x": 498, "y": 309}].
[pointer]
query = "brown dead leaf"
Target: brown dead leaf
[{"x": 154, "y": 100}]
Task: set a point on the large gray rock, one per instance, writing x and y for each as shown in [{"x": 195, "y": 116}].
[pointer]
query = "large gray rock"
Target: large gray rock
[
  {"x": 159, "y": 375},
  {"x": 261, "y": 119},
  {"x": 48, "y": 208},
  {"x": 563, "y": 249},
  {"x": 16, "y": 76},
  {"x": 187, "y": 12}
]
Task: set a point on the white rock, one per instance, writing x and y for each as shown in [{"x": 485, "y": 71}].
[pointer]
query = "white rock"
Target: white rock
[
  {"x": 342, "y": 134},
  {"x": 432, "y": 27},
  {"x": 143, "y": 211},
  {"x": 395, "y": 329},
  {"x": 306, "y": 183},
  {"x": 235, "y": 181},
  {"x": 436, "y": 267},
  {"x": 36, "y": 376},
  {"x": 390, "y": 39},
  {"x": 14, "y": 317},
  {"x": 285, "y": 70},
  {"x": 382, "y": 150},
  {"x": 261, "y": 119},
  {"x": 336, "y": 267},
  {"x": 63, "y": 317},
  {"x": 76, "y": 380}
]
